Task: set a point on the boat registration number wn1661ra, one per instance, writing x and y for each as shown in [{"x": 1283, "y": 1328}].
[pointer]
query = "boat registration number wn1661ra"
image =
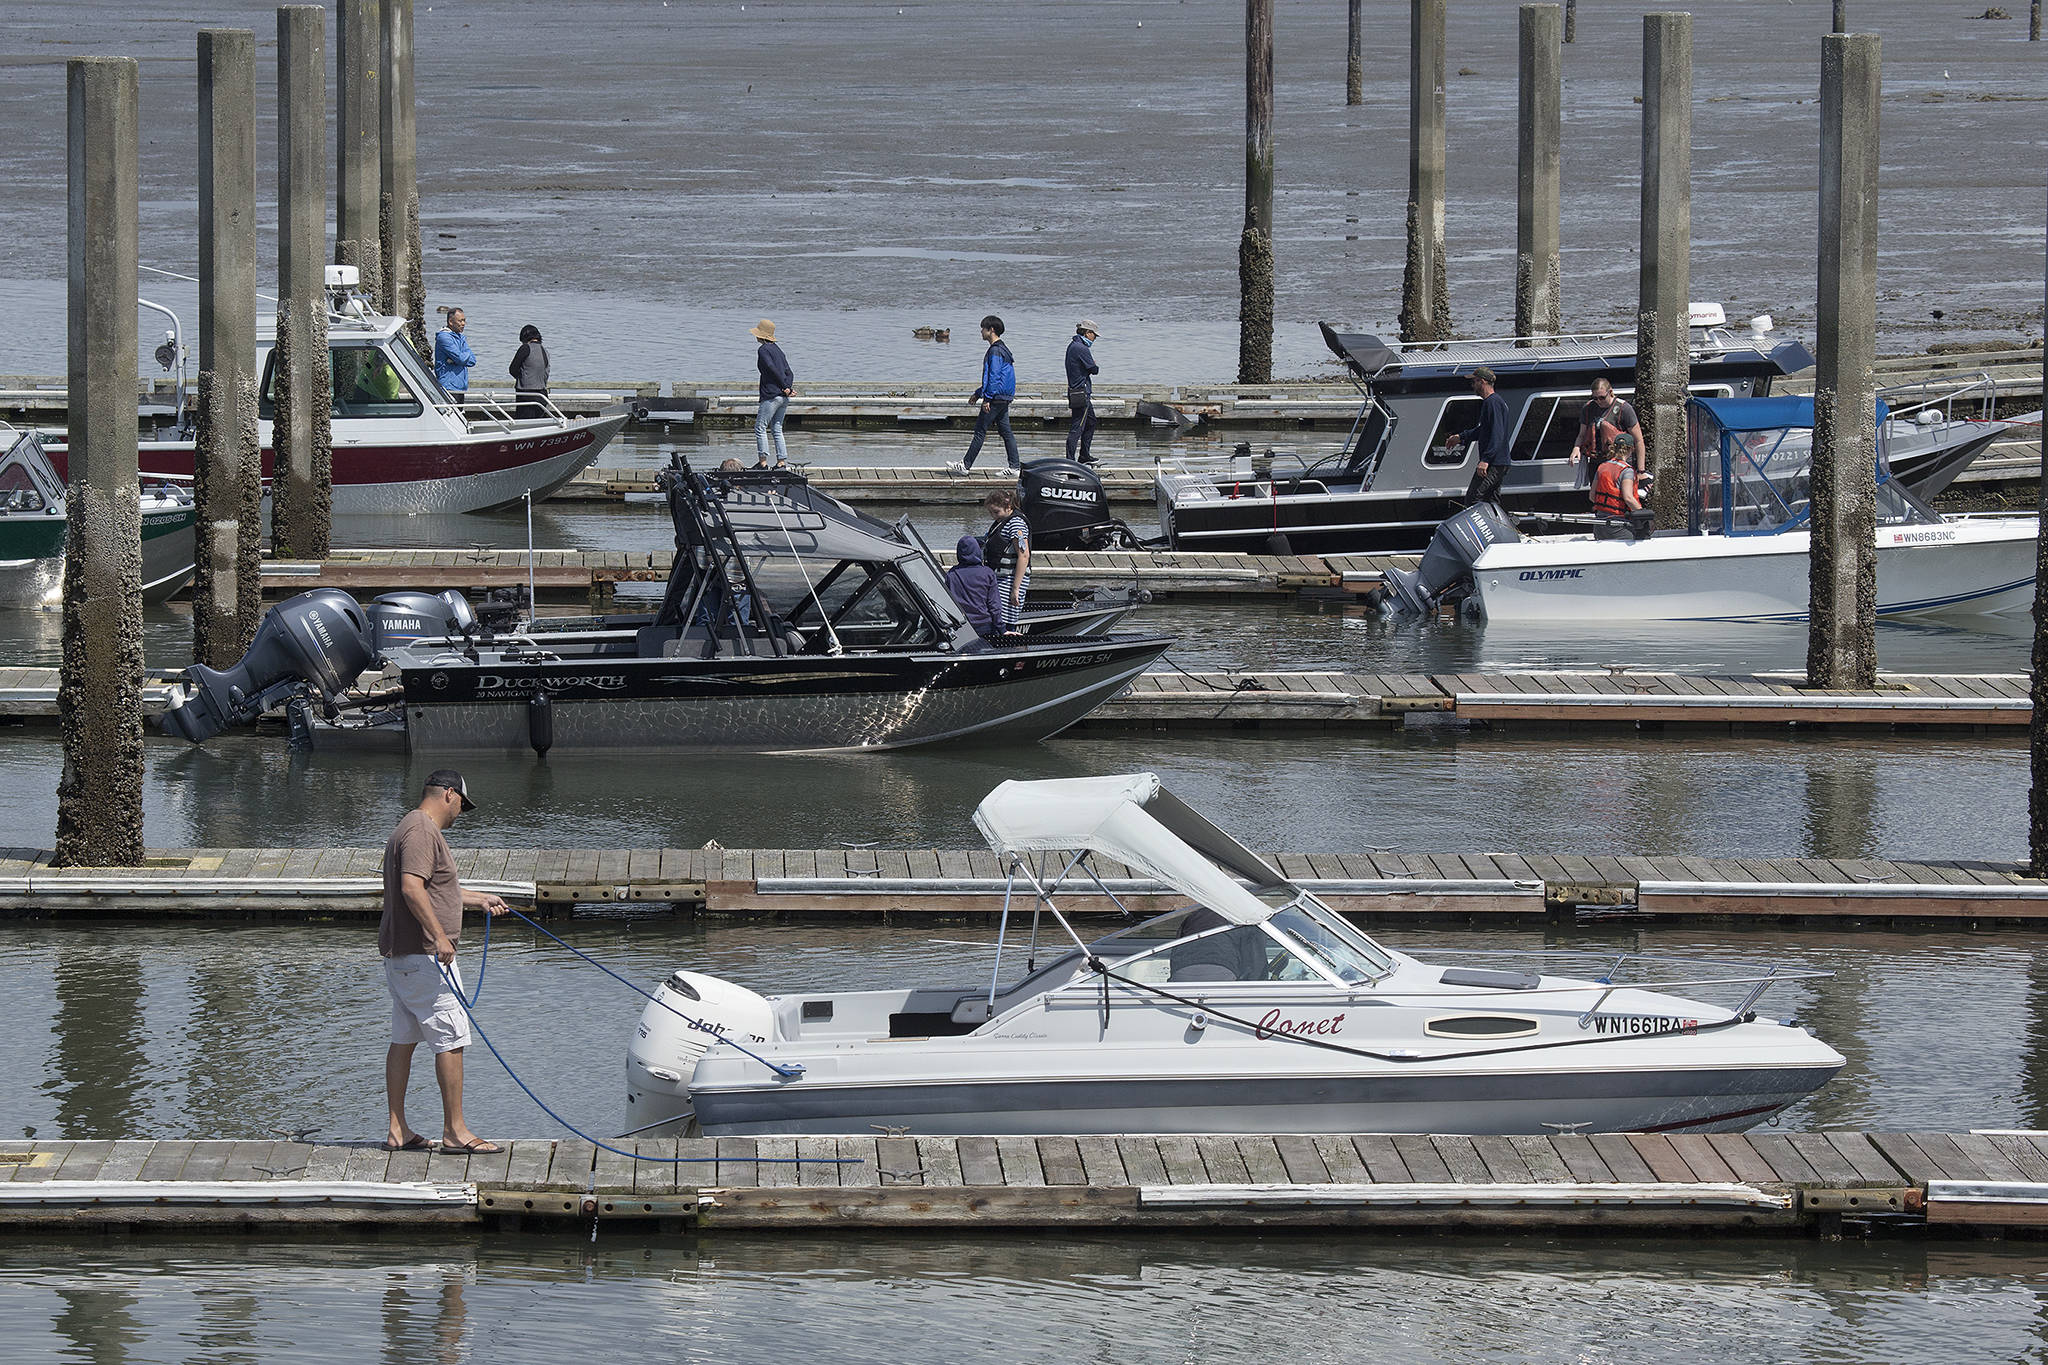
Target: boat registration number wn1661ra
[{"x": 1644, "y": 1023}]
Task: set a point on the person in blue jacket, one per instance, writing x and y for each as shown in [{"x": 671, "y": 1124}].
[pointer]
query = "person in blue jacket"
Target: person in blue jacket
[
  {"x": 453, "y": 358},
  {"x": 998, "y": 388},
  {"x": 974, "y": 587},
  {"x": 1081, "y": 367}
]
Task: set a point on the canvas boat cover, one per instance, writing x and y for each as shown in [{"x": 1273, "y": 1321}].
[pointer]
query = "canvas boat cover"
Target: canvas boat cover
[{"x": 1134, "y": 820}]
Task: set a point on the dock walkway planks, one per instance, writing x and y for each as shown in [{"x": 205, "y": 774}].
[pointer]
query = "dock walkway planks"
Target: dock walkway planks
[
  {"x": 1730, "y": 1182},
  {"x": 829, "y": 883}
]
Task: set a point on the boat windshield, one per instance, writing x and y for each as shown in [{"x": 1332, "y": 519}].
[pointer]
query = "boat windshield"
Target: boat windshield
[{"x": 1322, "y": 934}]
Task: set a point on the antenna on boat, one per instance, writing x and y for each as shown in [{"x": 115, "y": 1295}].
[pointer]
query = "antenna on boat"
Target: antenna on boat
[{"x": 532, "y": 601}]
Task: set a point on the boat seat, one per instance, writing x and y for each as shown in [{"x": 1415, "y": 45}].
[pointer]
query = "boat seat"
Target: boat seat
[
  {"x": 1205, "y": 971},
  {"x": 1238, "y": 953}
]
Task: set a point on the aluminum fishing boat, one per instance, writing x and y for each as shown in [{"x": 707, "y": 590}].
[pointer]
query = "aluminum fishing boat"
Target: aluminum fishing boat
[
  {"x": 34, "y": 525},
  {"x": 1748, "y": 557},
  {"x": 1244, "y": 1005},
  {"x": 400, "y": 445},
  {"x": 790, "y": 623},
  {"x": 1394, "y": 480}
]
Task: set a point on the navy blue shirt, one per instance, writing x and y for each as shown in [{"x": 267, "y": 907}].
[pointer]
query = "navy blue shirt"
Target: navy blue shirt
[
  {"x": 1080, "y": 364},
  {"x": 775, "y": 372},
  {"x": 1489, "y": 436}
]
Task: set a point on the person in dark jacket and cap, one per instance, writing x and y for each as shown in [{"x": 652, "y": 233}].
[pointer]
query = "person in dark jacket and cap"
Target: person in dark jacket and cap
[
  {"x": 974, "y": 587},
  {"x": 1081, "y": 368},
  {"x": 530, "y": 373}
]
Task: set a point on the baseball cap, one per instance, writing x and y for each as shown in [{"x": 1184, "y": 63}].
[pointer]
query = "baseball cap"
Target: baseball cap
[{"x": 449, "y": 778}]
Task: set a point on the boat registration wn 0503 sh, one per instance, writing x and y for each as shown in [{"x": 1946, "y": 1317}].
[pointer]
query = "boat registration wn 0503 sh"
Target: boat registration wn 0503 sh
[{"x": 1248, "y": 1006}]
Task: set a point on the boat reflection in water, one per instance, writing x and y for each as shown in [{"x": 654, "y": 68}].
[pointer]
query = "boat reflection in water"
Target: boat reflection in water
[{"x": 1246, "y": 1006}]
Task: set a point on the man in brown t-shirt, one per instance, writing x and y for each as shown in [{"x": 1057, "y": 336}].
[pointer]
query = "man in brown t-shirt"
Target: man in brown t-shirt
[{"x": 422, "y": 922}]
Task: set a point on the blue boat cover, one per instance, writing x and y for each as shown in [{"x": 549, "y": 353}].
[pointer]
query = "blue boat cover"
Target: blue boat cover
[{"x": 1767, "y": 414}]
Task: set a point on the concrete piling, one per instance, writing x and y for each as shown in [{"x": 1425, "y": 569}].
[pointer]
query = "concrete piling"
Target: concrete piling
[
  {"x": 358, "y": 187},
  {"x": 2034, "y": 22},
  {"x": 1255, "y": 244},
  {"x": 1571, "y": 21},
  {"x": 99, "y": 697},
  {"x": 300, "y": 484},
  {"x": 1354, "y": 63},
  {"x": 1841, "y": 648},
  {"x": 1425, "y": 288},
  {"x": 227, "y": 482},
  {"x": 1663, "y": 339},
  {"x": 1841, "y": 17},
  {"x": 398, "y": 207},
  {"x": 2037, "y": 723},
  {"x": 1539, "y": 310}
]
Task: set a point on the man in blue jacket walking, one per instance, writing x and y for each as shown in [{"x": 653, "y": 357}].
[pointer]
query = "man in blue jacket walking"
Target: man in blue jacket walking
[
  {"x": 1081, "y": 367},
  {"x": 452, "y": 357},
  {"x": 998, "y": 388}
]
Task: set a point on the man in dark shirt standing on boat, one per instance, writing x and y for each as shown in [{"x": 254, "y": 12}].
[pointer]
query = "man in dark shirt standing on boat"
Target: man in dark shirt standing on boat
[
  {"x": 422, "y": 921},
  {"x": 1602, "y": 419},
  {"x": 1489, "y": 437}
]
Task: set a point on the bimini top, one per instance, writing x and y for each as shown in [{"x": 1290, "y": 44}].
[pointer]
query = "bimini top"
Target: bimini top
[
  {"x": 1136, "y": 821},
  {"x": 1767, "y": 414}
]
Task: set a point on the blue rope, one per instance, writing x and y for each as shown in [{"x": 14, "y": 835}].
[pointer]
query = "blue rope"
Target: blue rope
[{"x": 470, "y": 1014}]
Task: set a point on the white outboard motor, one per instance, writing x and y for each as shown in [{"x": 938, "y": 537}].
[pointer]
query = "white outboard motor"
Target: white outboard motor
[
  {"x": 689, "y": 1013},
  {"x": 1448, "y": 561},
  {"x": 317, "y": 642}
]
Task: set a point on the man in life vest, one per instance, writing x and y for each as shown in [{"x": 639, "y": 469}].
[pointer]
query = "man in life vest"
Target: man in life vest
[{"x": 1616, "y": 500}]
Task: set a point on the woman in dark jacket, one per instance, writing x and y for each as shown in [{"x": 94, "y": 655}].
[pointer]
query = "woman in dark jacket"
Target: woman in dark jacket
[{"x": 530, "y": 373}]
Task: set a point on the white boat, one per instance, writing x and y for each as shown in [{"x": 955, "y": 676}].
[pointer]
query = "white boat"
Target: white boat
[
  {"x": 1746, "y": 557},
  {"x": 1247, "y": 1006},
  {"x": 400, "y": 445}
]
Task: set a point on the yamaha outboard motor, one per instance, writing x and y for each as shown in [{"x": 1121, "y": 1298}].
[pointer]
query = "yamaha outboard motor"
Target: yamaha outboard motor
[
  {"x": 1066, "y": 508},
  {"x": 408, "y": 618},
  {"x": 318, "y": 641},
  {"x": 1448, "y": 561}
]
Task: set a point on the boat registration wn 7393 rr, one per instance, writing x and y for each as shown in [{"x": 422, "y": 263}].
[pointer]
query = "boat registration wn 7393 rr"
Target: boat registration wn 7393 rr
[{"x": 1242, "y": 1004}]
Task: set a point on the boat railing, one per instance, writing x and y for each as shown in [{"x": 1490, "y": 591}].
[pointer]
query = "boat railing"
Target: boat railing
[
  {"x": 485, "y": 412},
  {"x": 1976, "y": 395},
  {"x": 1464, "y": 351}
]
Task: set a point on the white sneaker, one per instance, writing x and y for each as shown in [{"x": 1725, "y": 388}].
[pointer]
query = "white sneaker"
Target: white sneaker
[{"x": 956, "y": 468}]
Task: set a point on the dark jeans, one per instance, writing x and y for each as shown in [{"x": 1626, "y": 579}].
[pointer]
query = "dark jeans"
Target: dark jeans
[
  {"x": 532, "y": 403},
  {"x": 996, "y": 414},
  {"x": 1081, "y": 429},
  {"x": 1486, "y": 487}
]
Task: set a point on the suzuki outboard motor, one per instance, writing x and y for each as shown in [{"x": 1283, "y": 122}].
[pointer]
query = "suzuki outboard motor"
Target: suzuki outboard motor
[
  {"x": 1448, "y": 561},
  {"x": 1066, "y": 508},
  {"x": 318, "y": 641},
  {"x": 408, "y": 618}
]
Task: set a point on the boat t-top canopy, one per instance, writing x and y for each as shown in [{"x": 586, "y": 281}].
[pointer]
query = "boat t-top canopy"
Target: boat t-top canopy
[{"x": 1133, "y": 819}]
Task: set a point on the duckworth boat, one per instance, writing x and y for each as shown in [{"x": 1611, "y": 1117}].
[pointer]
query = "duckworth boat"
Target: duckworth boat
[
  {"x": 1248, "y": 1006},
  {"x": 1395, "y": 480},
  {"x": 790, "y": 624}
]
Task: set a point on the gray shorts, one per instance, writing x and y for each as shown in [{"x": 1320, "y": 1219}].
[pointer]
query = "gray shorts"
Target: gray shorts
[{"x": 423, "y": 1007}]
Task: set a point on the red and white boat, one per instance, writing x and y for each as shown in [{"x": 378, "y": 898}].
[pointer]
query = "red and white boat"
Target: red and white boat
[{"x": 400, "y": 445}]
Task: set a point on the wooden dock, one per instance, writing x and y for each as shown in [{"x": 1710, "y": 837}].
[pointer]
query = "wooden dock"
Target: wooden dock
[
  {"x": 925, "y": 883},
  {"x": 1575, "y": 700},
  {"x": 1960, "y": 1184}
]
